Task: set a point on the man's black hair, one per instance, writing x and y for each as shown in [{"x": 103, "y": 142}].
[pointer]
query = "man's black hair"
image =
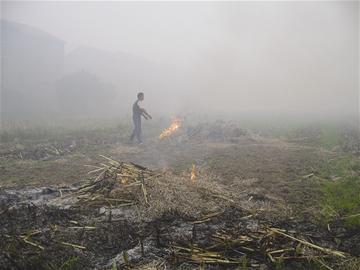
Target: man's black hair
[{"x": 140, "y": 94}]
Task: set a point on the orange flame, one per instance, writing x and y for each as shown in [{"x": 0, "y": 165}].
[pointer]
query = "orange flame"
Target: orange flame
[
  {"x": 124, "y": 180},
  {"x": 193, "y": 173},
  {"x": 175, "y": 124}
]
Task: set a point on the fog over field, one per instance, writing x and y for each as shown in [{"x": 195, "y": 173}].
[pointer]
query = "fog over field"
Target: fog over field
[
  {"x": 234, "y": 58},
  {"x": 243, "y": 152}
]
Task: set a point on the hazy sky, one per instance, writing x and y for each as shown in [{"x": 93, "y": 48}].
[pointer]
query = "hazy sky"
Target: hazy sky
[
  {"x": 158, "y": 30},
  {"x": 285, "y": 56}
]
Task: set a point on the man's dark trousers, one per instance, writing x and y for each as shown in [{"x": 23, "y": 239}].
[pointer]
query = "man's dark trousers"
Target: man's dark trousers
[{"x": 137, "y": 129}]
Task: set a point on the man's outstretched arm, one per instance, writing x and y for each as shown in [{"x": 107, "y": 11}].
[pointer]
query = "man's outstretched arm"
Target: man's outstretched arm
[{"x": 145, "y": 114}]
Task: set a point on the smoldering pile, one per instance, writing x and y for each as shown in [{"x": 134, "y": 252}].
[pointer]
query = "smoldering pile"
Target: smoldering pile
[{"x": 149, "y": 193}]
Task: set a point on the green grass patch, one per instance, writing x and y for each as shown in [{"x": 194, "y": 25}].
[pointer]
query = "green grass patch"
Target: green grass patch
[
  {"x": 339, "y": 167},
  {"x": 342, "y": 200},
  {"x": 341, "y": 189}
]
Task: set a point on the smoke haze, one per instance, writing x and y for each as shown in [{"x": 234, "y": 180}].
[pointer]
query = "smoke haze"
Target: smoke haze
[{"x": 283, "y": 58}]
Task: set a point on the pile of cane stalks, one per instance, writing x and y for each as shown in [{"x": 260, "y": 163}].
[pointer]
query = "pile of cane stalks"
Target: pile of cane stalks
[{"x": 116, "y": 184}]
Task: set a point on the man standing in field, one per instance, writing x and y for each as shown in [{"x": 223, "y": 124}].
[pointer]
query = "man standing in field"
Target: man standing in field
[{"x": 138, "y": 111}]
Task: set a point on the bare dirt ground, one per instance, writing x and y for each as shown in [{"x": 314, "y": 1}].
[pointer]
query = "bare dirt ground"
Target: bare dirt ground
[
  {"x": 266, "y": 167},
  {"x": 267, "y": 177}
]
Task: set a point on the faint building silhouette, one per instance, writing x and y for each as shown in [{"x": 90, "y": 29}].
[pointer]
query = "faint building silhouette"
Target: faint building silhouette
[{"x": 31, "y": 61}]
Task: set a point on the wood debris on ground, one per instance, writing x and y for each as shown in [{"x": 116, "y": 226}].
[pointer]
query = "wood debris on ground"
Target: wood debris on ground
[{"x": 112, "y": 183}]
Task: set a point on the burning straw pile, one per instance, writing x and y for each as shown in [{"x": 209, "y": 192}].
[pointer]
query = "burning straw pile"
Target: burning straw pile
[{"x": 150, "y": 193}]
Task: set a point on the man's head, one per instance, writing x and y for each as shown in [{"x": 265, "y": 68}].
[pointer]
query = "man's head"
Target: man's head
[{"x": 140, "y": 96}]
